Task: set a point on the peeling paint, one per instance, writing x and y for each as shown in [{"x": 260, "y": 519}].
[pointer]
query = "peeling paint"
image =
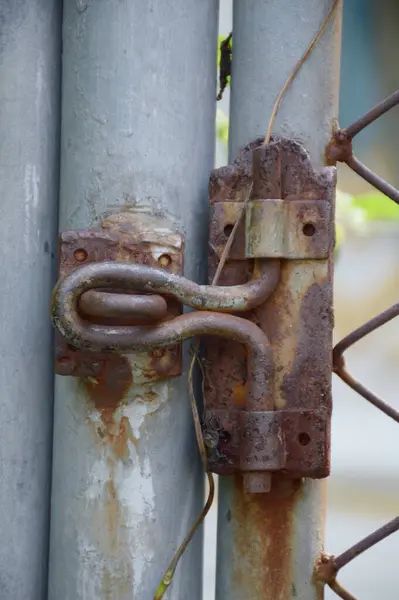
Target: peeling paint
[{"x": 120, "y": 497}]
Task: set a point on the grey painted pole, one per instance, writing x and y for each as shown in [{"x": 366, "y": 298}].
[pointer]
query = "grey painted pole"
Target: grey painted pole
[
  {"x": 269, "y": 38},
  {"x": 30, "y": 65},
  {"x": 139, "y": 86}
]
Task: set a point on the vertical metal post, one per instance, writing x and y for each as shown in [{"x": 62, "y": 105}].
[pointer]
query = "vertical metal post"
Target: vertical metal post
[
  {"x": 30, "y": 66},
  {"x": 139, "y": 82},
  {"x": 268, "y": 544}
]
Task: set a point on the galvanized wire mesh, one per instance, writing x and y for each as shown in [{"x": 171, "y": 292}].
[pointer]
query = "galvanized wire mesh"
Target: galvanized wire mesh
[{"x": 340, "y": 149}]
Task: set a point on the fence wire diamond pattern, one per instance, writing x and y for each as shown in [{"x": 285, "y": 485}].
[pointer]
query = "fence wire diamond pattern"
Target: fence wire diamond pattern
[{"x": 340, "y": 149}]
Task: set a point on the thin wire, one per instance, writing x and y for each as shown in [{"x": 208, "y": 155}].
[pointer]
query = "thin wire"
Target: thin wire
[
  {"x": 295, "y": 71},
  {"x": 229, "y": 243},
  {"x": 168, "y": 576}
]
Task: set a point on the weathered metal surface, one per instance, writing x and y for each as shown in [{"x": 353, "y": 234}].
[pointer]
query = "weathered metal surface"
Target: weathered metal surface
[
  {"x": 125, "y": 307},
  {"x": 30, "y": 107},
  {"x": 266, "y": 553},
  {"x": 267, "y": 544},
  {"x": 289, "y": 441},
  {"x": 297, "y": 317},
  {"x": 126, "y": 491},
  {"x": 131, "y": 235},
  {"x": 288, "y": 229}
]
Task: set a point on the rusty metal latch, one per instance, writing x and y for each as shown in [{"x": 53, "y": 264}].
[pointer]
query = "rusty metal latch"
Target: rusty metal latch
[{"x": 121, "y": 291}]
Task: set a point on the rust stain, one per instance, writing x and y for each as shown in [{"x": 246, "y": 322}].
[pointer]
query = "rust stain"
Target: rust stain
[
  {"x": 107, "y": 392},
  {"x": 263, "y": 534},
  {"x": 309, "y": 375},
  {"x": 117, "y": 579},
  {"x": 110, "y": 386},
  {"x": 240, "y": 394}
]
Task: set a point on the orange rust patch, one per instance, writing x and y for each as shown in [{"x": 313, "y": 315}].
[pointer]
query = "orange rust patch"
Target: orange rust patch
[
  {"x": 107, "y": 389},
  {"x": 264, "y": 537},
  {"x": 240, "y": 394}
]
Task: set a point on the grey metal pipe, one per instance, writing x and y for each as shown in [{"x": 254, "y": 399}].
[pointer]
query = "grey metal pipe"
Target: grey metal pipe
[
  {"x": 268, "y": 544},
  {"x": 30, "y": 68},
  {"x": 139, "y": 87}
]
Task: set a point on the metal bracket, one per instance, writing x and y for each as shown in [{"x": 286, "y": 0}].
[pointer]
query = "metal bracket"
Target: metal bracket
[
  {"x": 289, "y": 216},
  {"x": 136, "y": 236}
]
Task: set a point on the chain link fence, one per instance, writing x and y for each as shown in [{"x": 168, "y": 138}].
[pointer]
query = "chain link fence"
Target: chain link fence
[{"x": 340, "y": 150}]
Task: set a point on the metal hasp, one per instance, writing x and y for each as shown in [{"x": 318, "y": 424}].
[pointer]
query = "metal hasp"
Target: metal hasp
[
  {"x": 131, "y": 236},
  {"x": 289, "y": 218},
  {"x": 268, "y": 383}
]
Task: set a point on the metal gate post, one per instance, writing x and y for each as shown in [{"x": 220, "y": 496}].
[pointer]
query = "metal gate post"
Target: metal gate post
[
  {"x": 268, "y": 544},
  {"x": 30, "y": 65},
  {"x": 139, "y": 86}
]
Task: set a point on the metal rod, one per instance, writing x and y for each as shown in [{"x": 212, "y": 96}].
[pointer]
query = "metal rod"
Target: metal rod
[
  {"x": 372, "y": 178},
  {"x": 365, "y": 392},
  {"x": 341, "y": 591},
  {"x": 82, "y": 334},
  {"x": 30, "y": 73},
  {"x": 122, "y": 306},
  {"x": 328, "y": 566},
  {"x": 361, "y": 332},
  {"x": 267, "y": 544},
  {"x": 347, "y": 342},
  {"x": 366, "y": 543},
  {"x": 372, "y": 115},
  {"x": 126, "y": 276},
  {"x": 136, "y": 130}
]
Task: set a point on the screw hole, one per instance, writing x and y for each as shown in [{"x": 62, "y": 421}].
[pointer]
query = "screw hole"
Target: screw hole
[
  {"x": 164, "y": 260},
  {"x": 304, "y": 438},
  {"x": 228, "y": 229},
  {"x": 224, "y": 436},
  {"x": 80, "y": 254},
  {"x": 309, "y": 229}
]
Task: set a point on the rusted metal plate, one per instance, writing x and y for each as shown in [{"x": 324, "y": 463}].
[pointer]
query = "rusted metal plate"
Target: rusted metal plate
[
  {"x": 297, "y": 317},
  {"x": 288, "y": 229},
  {"x": 287, "y": 441},
  {"x": 274, "y": 228},
  {"x": 133, "y": 236}
]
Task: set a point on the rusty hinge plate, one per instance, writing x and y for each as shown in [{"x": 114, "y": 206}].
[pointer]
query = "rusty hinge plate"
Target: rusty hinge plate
[
  {"x": 134, "y": 235},
  {"x": 288, "y": 441},
  {"x": 290, "y": 217}
]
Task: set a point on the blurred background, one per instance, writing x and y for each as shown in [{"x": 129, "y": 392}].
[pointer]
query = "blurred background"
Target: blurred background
[{"x": 363, "y": 490}]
